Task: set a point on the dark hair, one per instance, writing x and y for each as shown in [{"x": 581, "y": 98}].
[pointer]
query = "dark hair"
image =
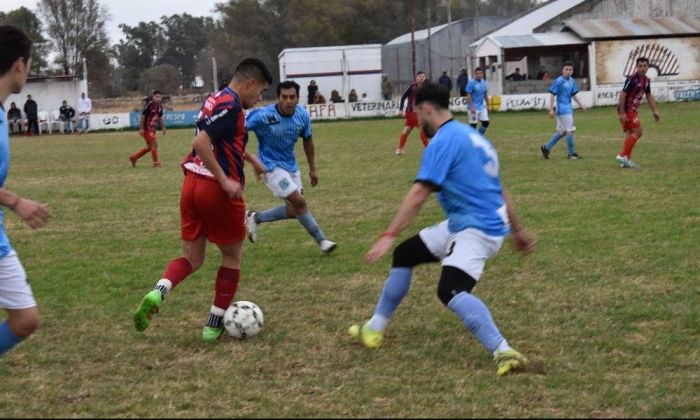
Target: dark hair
[
  {"x": 156, "y": 92},
  {"x": 567, "y": 63},
  {"x": 288, "y": 84},
  {"x": 14, "y": 44},
  {"x": 435, "y": 94},
  {"x": 642, "y": 59},
  {"x": 478, "y": 69},
  {"x": 253, "y": 68},
  {"x": 420, "y": 72},
  {"x": 225, "y": 83}
]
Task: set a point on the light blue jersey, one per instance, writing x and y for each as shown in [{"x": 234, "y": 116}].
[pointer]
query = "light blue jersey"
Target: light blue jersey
[
  {"x": 463, "y": 166},
  {"x": 5, "y": 246},
  {"x": 277, "y": 135},
  {"x": 478, "y": 89},
  {"x": 564, "y": 89}
]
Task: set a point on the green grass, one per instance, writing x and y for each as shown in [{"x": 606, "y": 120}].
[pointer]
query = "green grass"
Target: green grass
[{"x": 608, "y": 301}]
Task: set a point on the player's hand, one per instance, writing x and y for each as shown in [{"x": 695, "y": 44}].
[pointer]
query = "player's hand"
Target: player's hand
[
  {"x": 232, "y": 188},
  {"x": 402, "y": 114},
  {"x": 551, "y": 113},
  {"x": 380, "y": 248},
  {"x": 165, "y": 131},
  {"x": 259, "y": 171},
  {"x": 34, "y": 214},
  {"x": 622, "y": 117},
  {"x": 583, "y": 108},
  {"x": 314, "y": 178},
  {"x": 141, "y": 133},
  {"x": 523, "y": 242},
  {"x": 657, "y": 117}
]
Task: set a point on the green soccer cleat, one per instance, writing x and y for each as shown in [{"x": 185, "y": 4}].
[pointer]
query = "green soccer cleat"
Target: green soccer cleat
[
  {"x": 150, "y": 305},
  {"x": 371, "y": 339},
  {"x": 210, "y": 334},
  {"x": 509, "y": 361}
]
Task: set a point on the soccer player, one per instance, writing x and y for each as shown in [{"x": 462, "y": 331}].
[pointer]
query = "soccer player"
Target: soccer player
[
  {"x": 564, "y": 89},
  {"x": 477, "y": 93},
  {"x": 463, "y": 167},
  {"x": 411, "y": 119},
  {"x": 15, "y": 293},
  {"x": 211, "y": 201},
  {"x": 278, "y": 127},
  {"x": 151, "y": 117},
  {"x": 635, "y": 88}
]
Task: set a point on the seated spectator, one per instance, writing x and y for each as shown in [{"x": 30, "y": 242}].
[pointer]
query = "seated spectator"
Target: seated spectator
[
  {"x": 353, "y": 96},
  {"x": 66, "y": 115},
  {"x": 516, "y": 76},
  {"x": 14, "y": 118},
  {"x": 319, "y": 99},
  {"x": 335, "y": 97}
]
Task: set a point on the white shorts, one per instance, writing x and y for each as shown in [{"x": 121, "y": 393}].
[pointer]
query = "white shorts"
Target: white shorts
[
  {"x": 565, "y": 123},
  {"x": 15, "y": 292},
  {"x": 467, "y": 250},
  {"x": 482, "y": 115},
  {"x": 283, "y": 183}
]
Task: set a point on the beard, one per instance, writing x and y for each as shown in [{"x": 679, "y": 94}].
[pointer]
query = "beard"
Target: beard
[{"x": 428, "y": 131}]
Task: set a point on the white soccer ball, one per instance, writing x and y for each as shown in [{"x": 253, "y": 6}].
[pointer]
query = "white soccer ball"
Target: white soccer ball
[{"x": 243, "y": 319}]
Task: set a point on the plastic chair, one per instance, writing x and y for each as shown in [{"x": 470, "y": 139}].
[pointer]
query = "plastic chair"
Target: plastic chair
[
  {"x": 44, "y": 121},
  {"x": 56, "y": 122}
]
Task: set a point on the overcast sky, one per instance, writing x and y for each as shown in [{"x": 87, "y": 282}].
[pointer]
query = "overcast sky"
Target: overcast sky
[{"x": 132, "y": 12}]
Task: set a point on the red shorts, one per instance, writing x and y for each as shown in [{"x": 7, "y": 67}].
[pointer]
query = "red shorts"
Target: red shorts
[
  {"x": 149, "y": 136},
  {"x": 205, "y": 209},
  {"x": 412, "y": 119},
  {"x": 632, "y": 122}
]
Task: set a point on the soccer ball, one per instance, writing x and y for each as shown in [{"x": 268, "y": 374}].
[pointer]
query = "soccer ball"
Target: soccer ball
[{"x": 243, "y": 319}]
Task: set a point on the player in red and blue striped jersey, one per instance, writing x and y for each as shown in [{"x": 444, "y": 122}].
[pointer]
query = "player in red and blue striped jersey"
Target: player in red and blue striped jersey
[
  {"x": 635, "y": 88},
  {"x": 211, "y": 201},
  {"x": 409, "y": 97},
  {"x": 151, "y": 118}
]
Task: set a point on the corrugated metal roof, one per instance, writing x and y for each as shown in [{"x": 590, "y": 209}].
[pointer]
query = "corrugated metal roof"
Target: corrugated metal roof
[
  {"x": 537, "y": 40},
  {"x": 417, "y": 35},
  {"x": 631, "y": 28}
]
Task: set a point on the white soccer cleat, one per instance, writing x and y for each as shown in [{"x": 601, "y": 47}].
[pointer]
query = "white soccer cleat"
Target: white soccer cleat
[
  {"x": 251, "y": 226},
  {"x": 400, "y": 151},
  {"x": 327, "y": 246}
]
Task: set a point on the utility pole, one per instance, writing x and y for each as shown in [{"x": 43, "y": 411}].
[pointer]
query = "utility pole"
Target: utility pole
[
  {"x": 214, "y": 72},
  {"x": 449, "y": 37},
  {"x": 413, "y": 39},
  {"x": 430, "y": 53}
]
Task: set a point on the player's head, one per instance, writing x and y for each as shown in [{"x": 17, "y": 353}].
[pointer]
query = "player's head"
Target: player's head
[
  {"x": 156, "y": 96},
  {"x": 287, "y": 97},
  {"x": 642, "y": 65},
  {"x": 13, "y": 105},
  {"x": 15, "y": 58},
  {"x": 251, "y": 78},
  {"x": 65, "y": 103},
  {"x": 432, "y": 105},
  {"x": 478, "y": 73},
  {"x": 420, "y": 77},
  {"x": 567, "y": 69}
]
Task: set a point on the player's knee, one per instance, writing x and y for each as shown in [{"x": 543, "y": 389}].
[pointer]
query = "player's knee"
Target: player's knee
[
  {"x": 297, "y": 204},
  {"x": 453, "y": 281},
  {"x": 485, "y": 124},
  {"x": 26, "y": 324},
  {"x": 412, "y": 252},
  {"x": 638, "y": 133}
]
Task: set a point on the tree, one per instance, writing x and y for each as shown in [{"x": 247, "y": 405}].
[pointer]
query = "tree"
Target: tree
[
  {"x": 75, "y": 26},
  {"x": 142, "y": 49},
  {"x": 187, "y": 36},
  {"x": 26, "y": 20},
  {"x": 165, "y": 78}
]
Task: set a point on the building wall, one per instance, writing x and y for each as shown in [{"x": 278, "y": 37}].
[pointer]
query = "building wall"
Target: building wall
[
  {"x": 615, "y": 9},
  {"x": 49, "y": 94}
]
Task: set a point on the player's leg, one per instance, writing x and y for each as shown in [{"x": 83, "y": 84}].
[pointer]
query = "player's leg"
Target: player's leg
[
  {"x": 427, "y": 246},
  {"x": 280, "y": 183},
  {"x": 17, "y": 299},
  {"x": 225, "y": 287},
  {"x": 484, "y": 118},
  {"x": 136, "y": 156},
  {"x": 462, "y": 267},
  {"x": 304, "y": 216},
  {"x": 558, "y": 135},
  {"x": 401, "y": 150},
  {"x": 570, "y": 130},
  {"x": 633, "y": 131},
  {"x": 154, "y": 151}
]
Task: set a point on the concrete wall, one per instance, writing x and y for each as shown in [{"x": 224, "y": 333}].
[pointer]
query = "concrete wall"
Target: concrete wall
[{"x": 49, "y": 94}]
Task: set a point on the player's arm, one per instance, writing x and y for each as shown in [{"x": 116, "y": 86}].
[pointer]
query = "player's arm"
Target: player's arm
[
  {"x": 202, "y": 145},
  {"x": 551, "y": 105},
  {"x": 521, "y": 239},
  {"x": 310, "y": 152},
  {"x": 405, "y": 96},
  {"x": 34, "y": 214},
  {"x": 470, "y": 101},
  {"x": 583, "y": 108},
  {"x": 652, "y": 105},
  {"x": 409, "y": 209},
  {"x": 258, "y": 167},
  {"x": 142, "y": 124},
  {"x": 161, "y": 121}
]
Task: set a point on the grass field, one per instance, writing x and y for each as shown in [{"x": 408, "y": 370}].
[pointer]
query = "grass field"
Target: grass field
[{"x": 608, "y": 302}]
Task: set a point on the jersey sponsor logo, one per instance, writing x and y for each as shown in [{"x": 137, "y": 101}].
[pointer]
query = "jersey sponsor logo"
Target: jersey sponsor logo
[{"x": 213, "y": 118}]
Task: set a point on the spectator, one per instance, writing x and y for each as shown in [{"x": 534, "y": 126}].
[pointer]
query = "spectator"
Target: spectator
[
  {"x": 541, "y": 73},
  {"x": 353, "y": 96},
  {"x": 14, "y": 118},
  {"x": 335, "y": 97},
  {"x": 516, "y": 76},
  {"x": 363, "y": 98},
  {"x": 313, "y": 89},
  {"x": 84, "y": 109},
  {"x": 387, "y": 88},
  {"x": 462, "y": 82},
  {"x": 319, "y": 99},
  {"x": 546, "y": 76},
  {"x": 31, "y": 111},
  {"x": 66, "y": 114},
  {"x": 446, "y": 81}
]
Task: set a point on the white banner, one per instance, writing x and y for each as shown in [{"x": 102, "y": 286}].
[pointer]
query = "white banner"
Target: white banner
[{"x": 109, "y": 121}]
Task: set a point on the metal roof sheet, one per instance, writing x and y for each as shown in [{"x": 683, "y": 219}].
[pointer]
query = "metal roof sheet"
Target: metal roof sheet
[
  {"x": 638, "y": 27},
  {"x": 537, "y": 40}
]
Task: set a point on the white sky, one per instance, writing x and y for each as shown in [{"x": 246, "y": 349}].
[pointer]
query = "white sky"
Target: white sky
[{"x": 132, "y": 12}]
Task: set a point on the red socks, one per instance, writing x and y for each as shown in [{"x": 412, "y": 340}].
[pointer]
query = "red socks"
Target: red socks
[
  {"x": 629, "y": 143},
  {"x": 402, "y": 140},
  {"x": 177, "y": 270},
  {"x": 424, "y": 138},
  {"x": 226, "y": 286}
]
